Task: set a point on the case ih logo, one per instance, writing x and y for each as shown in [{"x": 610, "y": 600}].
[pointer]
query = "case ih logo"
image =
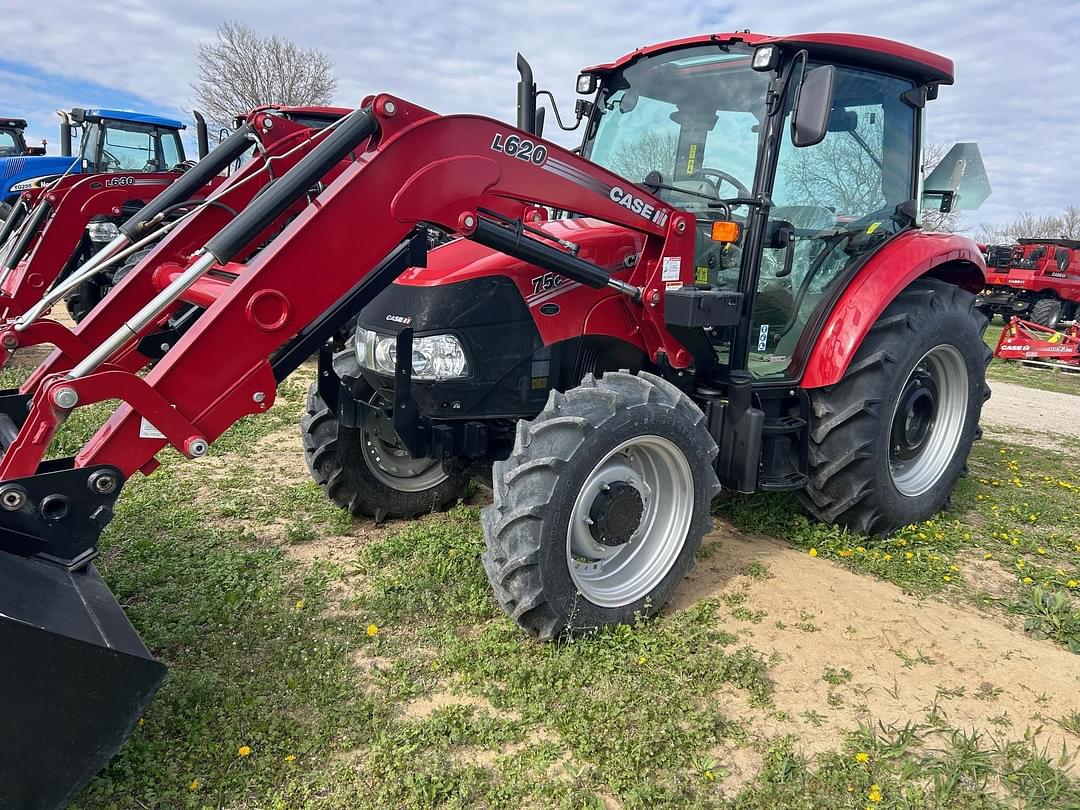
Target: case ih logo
[
  {"x": 657, "y": 216},
  {"x": 404, "y": 320},
  {"x": 123, "y": 180}
]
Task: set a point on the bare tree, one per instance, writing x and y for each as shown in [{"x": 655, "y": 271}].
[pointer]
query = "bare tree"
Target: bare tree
[
  {"x": 1031, "y": 226},
  {"x": 242, "y": 69},
  {"x": 651, "y": 152}
]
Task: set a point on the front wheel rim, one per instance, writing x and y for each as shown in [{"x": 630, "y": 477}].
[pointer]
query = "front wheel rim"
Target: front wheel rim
[
  {"x": 928, "y": 421},
  {"x": 389, "y": 462},
  {"x": 630, "y": 521}
]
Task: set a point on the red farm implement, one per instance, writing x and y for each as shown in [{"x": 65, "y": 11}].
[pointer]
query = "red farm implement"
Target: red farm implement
[
  {"x": 606, "y": 369},
  {"x": 1039, "y": 345}
]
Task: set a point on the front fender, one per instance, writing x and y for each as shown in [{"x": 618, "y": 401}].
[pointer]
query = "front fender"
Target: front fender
[{"x": 911, "y": 255}]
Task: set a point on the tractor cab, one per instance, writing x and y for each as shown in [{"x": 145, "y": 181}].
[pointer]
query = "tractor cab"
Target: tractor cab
[
  {"x": 811, "y": 199},
  {"x": 12, "y": 140},
  {"x": 116, "y": 141}
]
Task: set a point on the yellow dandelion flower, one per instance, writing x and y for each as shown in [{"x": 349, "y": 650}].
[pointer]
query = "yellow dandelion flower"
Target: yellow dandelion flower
[
  {"x": 862, "y": 756},
  {"x": 988, "y": 556},
  {"x": 860, "y": 549},
  {"x": 244, "y": 751},
  {"x": 1032, "y": 518},
  {"x": 812, "y": 552},
  {"x": 299, "y": 604},
  {"x": 709, "y": 775},
  {"x": 845, "y": 552},
  {"x": 195, "y": 785},
  {"x": 922, "y": 535},
  {"x": 954, "y": 567},
  {"x": 1072, "y": 583},
  {"x": 947, "y": 578},
  {"x": 290, "y": 757},
  {"x": 875, "y": 793},
  {"x": 1028, "y": 581},
  {"x": 373, "y": 630},
  {"x": 887, "y": 557},
  {"x": 641, "y": 661},
  {"x": 142, "y": 722},
  {"x": 908, "y": 555}
]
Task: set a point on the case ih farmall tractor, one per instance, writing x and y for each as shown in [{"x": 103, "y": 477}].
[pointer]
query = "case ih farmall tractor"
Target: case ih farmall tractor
[
  {"x": 733, "y": 290},
  {"x": 1036, "y": 279}
]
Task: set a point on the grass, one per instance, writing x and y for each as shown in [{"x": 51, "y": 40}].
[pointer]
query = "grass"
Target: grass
[{"x": 391, "y": 679}]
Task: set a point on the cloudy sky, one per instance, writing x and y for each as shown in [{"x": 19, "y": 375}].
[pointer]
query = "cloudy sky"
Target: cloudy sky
[{"x": 1017, "y": 91}]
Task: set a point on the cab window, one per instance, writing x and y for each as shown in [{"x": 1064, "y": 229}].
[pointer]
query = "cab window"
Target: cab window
[
  {"x": 9, "y": 144},
  {"x": 129, "y": 148}
]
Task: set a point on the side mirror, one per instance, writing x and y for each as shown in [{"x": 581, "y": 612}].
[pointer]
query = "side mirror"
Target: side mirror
[{"x": 813, "y": 103}]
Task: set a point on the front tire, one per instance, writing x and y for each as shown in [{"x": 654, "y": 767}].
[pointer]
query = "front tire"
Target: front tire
[
  {"x": 367, "y": 475},
  {"x": 601, "y": 506},
  {"x": 1047, "y": 312},
  {"x": 889, "y": 441}
]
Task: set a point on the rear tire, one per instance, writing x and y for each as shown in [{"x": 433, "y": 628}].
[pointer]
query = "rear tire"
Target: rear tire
[
  {"x": 339, "y": 459},
  {"x": 889, "y": 441},
  {"x": 558, "y": 540},
  {"x": 1047, "y": 312}
]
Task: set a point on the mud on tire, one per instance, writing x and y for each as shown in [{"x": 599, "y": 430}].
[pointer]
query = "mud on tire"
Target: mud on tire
[
  {"x": 335, "y": 457},
  {"x": 851, "y": 433},
  {"x": 555, "y": 459}
]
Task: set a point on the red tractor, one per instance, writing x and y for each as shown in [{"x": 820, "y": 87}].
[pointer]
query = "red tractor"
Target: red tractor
[
  {"x": 1037, "y": 279},
  {"x": 725, "y": 286}
]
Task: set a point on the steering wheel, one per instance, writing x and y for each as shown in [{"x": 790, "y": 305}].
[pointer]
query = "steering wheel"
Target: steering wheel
[
  {"x": 722, "y": 176},
  {"x": 109, "y": 159}
]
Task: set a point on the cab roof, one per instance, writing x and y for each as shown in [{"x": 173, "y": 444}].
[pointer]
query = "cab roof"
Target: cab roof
[
  {"x": 137, "y": 118},
  {"x": 883, "y": 54},
  {"x": 12, "y": 123}
]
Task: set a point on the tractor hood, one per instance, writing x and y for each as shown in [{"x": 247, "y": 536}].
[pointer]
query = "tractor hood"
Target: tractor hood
[
  {"x": 599, "y": 242},
  {"x": 18, "y": 173}
]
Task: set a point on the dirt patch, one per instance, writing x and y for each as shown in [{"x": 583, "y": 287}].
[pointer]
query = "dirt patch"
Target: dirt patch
[
  {"x": 1037, "y": 416},
  {"x": 892, "y": 657}
]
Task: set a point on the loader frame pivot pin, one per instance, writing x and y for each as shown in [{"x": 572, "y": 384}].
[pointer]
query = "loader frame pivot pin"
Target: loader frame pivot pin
[
  {"x": 12, "y": 498},
  {"x": 197, "y": 447},
  {"x": 102, "y": 482},
  {"x": 66, "y": 398}
]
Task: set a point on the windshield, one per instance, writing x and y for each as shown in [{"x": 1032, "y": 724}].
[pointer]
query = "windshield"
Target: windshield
[
  {"x": 693, "y": 115},
  {"x": 9, "y": 143}
]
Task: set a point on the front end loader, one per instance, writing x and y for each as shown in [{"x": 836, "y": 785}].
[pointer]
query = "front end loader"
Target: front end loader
[{"x": 608, "y": 339}]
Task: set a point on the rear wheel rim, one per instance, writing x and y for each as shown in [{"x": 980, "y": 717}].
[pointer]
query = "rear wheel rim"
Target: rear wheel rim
[
  {"x": 630, "y": 521},
  {"x": 928, "y": 421},
  {"x": 391, "y": 463}
]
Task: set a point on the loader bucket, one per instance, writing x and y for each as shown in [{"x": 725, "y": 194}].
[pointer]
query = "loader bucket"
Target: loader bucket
[{"x": 74, "y": 679}]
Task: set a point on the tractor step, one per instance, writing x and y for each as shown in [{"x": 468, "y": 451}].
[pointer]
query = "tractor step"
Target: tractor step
[
  {"x": 783, "y": 438},
  {"x": 783, "y": 483},
  {"x": 75, "y": 689}
]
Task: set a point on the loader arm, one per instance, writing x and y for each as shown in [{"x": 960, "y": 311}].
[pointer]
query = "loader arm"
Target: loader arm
[
  {"x": 280, "y": 147},
  {"x": 417, "y": 168},
  {"x": 71, "y": 204}
]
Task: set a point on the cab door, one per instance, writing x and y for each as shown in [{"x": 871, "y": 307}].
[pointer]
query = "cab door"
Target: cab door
[{"x": 833, "y": 204}]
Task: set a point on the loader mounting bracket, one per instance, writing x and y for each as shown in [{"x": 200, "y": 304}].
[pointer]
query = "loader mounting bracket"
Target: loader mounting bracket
[{"x": 57, "y": 515}]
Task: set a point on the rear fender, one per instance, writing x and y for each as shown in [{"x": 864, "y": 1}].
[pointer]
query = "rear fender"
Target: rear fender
[{"x": 910, "y": 256}]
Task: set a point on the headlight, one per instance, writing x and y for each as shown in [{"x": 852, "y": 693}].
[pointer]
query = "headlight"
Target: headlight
[
  {"x": 102, "y": 231},
  {"x": 435, "y": 357}
]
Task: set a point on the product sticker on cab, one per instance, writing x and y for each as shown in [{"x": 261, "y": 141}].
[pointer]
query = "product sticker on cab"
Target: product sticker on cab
[{"x": 671, "y": 269}]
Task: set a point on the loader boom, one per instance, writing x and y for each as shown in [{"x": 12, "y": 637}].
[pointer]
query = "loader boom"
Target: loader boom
[{"x": 418, "y": 168}]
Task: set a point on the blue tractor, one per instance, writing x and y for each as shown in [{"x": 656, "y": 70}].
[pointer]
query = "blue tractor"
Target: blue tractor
[{"x": 110, "y": 141}]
